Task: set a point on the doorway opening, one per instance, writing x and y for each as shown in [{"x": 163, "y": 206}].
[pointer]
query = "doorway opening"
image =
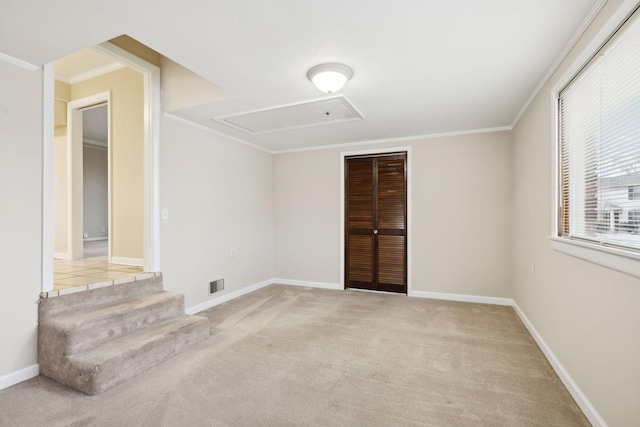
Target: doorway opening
[
  {"x": 147, "y": 167},
  {"x": 95, "y": 181},
  {"x": 88, "y": 192}
]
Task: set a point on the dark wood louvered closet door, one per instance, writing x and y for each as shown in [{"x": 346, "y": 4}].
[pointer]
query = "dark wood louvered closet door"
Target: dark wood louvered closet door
[{"x": 375, "y": 223}]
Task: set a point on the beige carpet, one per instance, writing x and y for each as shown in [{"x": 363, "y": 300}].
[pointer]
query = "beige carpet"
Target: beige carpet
[{"x": 286, "y": 356}]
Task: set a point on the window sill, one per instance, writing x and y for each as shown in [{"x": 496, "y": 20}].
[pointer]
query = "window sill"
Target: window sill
[{"x": 616, "y": 259}]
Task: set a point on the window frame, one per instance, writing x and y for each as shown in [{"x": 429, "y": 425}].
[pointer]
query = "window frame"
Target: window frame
[{"x": 625, "y": 261}]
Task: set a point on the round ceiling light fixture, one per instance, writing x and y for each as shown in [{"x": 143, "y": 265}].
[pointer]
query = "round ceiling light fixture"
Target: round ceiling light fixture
[{"x": 329, "y": 78}]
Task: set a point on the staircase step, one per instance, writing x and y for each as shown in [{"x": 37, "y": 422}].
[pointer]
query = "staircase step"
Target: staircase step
[
  {"x": 94, "y": 298},
  {"x": 115, "y": 361},
  {"x": 98, "y": 338},
  {"x": 85, "y": 329}
]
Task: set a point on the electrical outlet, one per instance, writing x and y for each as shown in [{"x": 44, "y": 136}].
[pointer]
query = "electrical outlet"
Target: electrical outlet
[
  {"x": 103, "y": 229},
  {"x": 233, "y": 253}
]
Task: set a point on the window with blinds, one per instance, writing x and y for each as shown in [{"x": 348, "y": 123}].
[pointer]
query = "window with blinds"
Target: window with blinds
[{"x": 599, "y": 143}]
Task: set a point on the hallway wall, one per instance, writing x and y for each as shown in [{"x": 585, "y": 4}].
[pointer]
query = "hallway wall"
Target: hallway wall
[{"x": 20, "y": 216}]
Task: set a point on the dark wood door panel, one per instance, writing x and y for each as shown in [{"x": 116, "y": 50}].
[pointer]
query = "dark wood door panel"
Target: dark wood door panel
[
  {"x": 360, "y": 259},
  {"x": 360, "y": 195},
  {"x": 375, "y": 222},
  {"x": 391, "y": 261},
  {"x": 391, "y": 194}
]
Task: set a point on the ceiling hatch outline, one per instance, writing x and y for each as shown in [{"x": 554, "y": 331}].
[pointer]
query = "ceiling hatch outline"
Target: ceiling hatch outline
[{"x": 319, "y": 112}]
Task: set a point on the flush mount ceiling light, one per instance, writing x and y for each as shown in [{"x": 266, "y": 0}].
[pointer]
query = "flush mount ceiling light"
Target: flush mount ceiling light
[{"x": 329, "y": 78}]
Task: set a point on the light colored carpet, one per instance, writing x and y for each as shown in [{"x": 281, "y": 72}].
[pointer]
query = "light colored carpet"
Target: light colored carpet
[{"x": 284, "y": 356}]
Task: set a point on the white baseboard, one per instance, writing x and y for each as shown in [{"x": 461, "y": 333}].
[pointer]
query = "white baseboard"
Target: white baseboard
[
  {"x": 462, "y": 298},
  {"x": 322, "y": 285},
  {"x": 589, "y": 411},
  {"x": 227, "y": 297},
  {"x": 61, "y": 255},
  {"x": 16, "y": 377},
  {"x": 94, "y": 239},
  {"x": 137, "y": 262}
]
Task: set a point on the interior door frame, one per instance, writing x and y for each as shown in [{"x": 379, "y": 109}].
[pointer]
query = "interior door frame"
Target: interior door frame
[
  {"x": 378, "y": 151},
  {"x": 75, "y": 173},
  {"x": 151, "y": 159}
]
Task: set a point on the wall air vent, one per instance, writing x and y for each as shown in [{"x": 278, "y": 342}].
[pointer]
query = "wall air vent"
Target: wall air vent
[
  {"x": 216, "y": 286},
  {"x": 315, "y": 113}
]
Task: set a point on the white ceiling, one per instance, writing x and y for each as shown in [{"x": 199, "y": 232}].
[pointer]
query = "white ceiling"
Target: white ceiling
[{"x": 421, "y": 67}]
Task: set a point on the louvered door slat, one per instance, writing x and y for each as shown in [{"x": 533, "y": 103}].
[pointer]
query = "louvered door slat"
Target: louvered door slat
[
  {"x": 391, "y": 263},
  {"x": 360, "y": 195},
  {"x": 391, "y": 194}
]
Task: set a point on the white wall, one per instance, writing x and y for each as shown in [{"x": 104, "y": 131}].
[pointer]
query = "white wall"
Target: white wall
[
  {"x": 587, "y": 314},
  {"x": 20, "y": 216},
  {"x": 461, "y": 214},
  {"x": 219, "y": 194}
]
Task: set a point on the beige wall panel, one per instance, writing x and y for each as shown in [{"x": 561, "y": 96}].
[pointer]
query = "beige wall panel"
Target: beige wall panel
[
  {"x": 182, "y": 88},
  {"x": 60, "y": 198},
  {"x": 62, "y": 91},
  {"x": 307, "y": 212},
  {"x": 586, "y": 313},
  {"x": 219, "y": 194},
  {"x": 127, "y": 148},
  {"x": 138, "y": 49}
]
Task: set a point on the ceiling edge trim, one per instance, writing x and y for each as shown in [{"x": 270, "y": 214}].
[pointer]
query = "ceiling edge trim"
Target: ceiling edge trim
[
  {"x": 97, "y": 72},
  {"x": 215, "y": 132},
  {"x": 563, "y": 54},
  {"x": 19, "y": 62},
  {"x": 398, "y": 139},
  {"x": 62, "y": 79}
]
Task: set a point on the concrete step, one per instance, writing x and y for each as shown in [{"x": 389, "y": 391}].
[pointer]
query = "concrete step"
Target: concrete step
[
  {"x": 113, "y": 362},
  {"x": 72, "y": 332}
]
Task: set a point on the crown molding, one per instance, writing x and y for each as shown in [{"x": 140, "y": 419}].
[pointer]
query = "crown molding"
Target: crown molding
[
  {"x": 563, "y": 54},
  {"x": 19, "y": 62},
  {"x": 399, "y": 139},
  {"x": 96, "y": 72}
]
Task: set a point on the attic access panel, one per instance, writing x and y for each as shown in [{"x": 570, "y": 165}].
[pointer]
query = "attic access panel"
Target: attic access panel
[{"x": 314, "y": 113}]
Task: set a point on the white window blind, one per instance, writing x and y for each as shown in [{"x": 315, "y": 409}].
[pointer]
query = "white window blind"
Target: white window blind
[{"x": 599, "y": 133}]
